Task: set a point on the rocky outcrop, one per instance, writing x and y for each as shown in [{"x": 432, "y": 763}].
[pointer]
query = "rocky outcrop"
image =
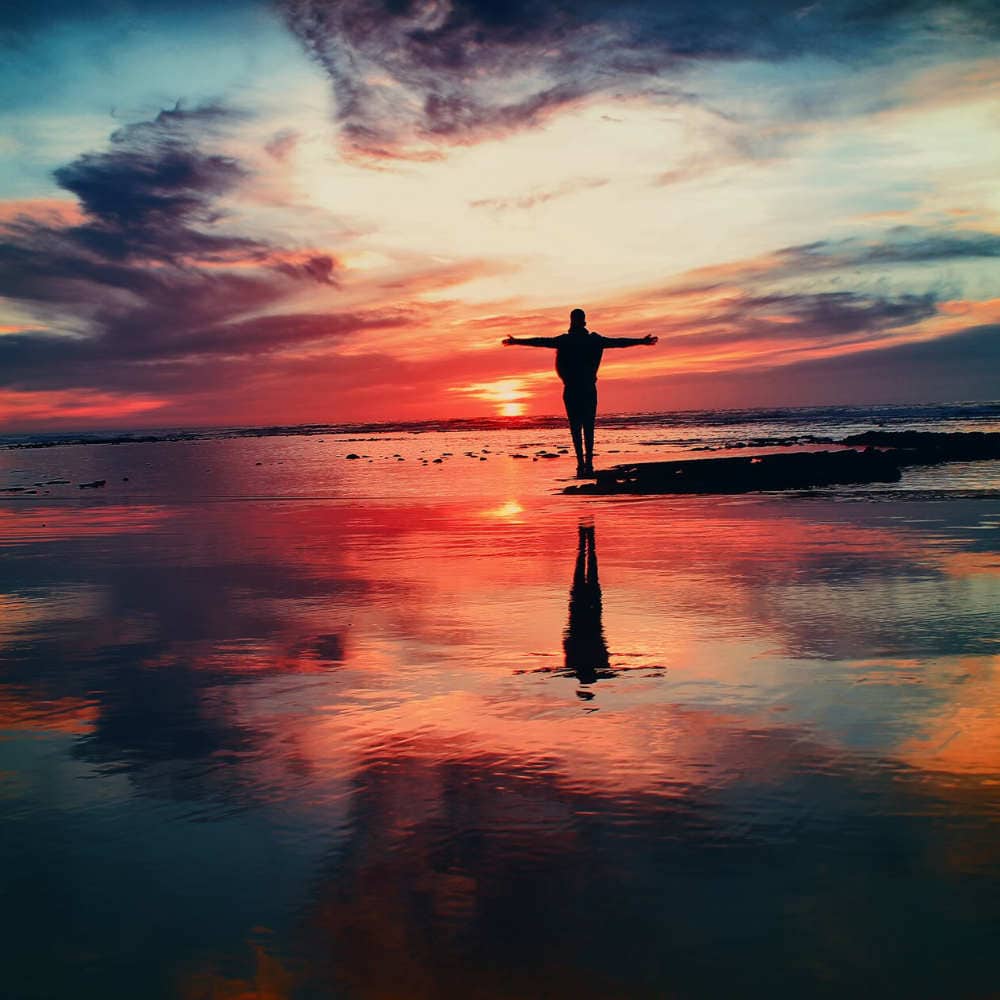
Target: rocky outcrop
[{"x": 749, "y": 474}]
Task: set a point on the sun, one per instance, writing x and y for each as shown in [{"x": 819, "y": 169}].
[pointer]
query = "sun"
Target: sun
[{"x": 508, "y": 396}]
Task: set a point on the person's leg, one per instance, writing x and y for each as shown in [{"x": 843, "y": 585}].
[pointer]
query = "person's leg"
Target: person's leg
[
  {"x": 575, "y": 427},
  {"x": 589, "y": 416},
  {"x": 588, "y": 434},
  {"x": 576, "y": 430}
]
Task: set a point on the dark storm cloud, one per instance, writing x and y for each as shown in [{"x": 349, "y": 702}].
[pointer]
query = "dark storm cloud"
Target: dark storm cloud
[
  {"x": 440, "y": 70},
  {"x": 147, "y": 194},
  {"x": 141, "y": 279}
]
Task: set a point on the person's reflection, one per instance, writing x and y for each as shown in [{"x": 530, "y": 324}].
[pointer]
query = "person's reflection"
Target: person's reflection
[{"x": 583, "y": 642}]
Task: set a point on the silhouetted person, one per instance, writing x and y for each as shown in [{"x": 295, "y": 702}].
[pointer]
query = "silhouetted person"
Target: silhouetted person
[
  {"x": 578, "y": 356},
  {"x": 583, "y": 642}
]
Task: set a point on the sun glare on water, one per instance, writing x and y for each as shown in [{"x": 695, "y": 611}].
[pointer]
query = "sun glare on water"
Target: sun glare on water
[{"x": 510, "y": 509}]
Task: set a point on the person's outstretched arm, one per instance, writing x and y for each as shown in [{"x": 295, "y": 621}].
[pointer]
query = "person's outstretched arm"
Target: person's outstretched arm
[
  {"x": 531, "y": 341},
  {"x": 628, "y": 341}
]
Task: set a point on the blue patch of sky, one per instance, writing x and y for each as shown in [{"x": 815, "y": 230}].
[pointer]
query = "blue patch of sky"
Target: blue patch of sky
[{"x": 67, "y": 86}]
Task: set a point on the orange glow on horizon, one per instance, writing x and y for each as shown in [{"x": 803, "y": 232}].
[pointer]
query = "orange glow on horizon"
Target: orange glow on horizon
[
  {"x": 508, "y": 396},
  {"x": 57, "y": 406}
]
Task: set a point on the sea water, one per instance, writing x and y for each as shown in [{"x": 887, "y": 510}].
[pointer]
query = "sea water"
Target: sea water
[{"x": 278, "y": 722}]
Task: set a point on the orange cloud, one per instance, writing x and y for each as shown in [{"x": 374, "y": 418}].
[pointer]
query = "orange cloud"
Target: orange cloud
[
  {"x": 51, "y": 211},
  {"x": 20, "y": 408}
]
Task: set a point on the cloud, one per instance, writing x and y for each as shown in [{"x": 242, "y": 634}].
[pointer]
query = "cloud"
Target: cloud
[
  {"x": 874, "y": 317},
  {"x": 148, "y": 293},
  {"x": 282, "y": 144},
  {"x": 413, "y": 73},
  {"x": 535, "y": 198},
  {"x": 878, "y": 261},
  {"x": 147, "y": 195},
  {"x": 820, "y": 317},
  {"x": 70, "y": 406},
  {"x": 962, "y": 365},
  {"x": 145, "y": 278},
  {"x": 899, "y": 245}
]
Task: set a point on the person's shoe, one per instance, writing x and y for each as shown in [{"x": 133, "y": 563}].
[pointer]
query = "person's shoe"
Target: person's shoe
[
  {"x": 588, "y": 470},
  {"x": 581, "y": 471}
]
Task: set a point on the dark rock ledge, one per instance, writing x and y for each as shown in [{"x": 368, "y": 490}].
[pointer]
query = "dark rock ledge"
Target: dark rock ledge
[{"x": 883, "y": 456}]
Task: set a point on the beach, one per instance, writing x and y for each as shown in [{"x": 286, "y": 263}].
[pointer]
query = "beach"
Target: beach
[{"x": 417, "y": 724}]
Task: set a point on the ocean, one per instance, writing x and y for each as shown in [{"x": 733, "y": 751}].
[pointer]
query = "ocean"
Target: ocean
[{"x": 280, "y": 722}]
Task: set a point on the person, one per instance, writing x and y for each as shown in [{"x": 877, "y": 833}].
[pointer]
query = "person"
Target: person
[
  {"x": 578, "y": 356},
  {"x": 584, "y": 645}
]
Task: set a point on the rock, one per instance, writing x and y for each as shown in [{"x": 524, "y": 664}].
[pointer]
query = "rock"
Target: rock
[
  {"x": 932, "y": 447},
  {"x": 353, "y": 455},
  {"x": 94, "y": 485},
  {"x": 796, "y": 471}
]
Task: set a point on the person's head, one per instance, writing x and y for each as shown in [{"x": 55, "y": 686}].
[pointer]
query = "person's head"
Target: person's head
[{"x": 578, "y": 320}]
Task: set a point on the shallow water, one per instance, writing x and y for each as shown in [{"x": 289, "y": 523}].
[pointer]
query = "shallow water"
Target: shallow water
[{"x": 323, "y": 727}]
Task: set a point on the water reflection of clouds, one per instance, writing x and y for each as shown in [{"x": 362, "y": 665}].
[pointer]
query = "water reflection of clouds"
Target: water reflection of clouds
[
  {"x": 468, "y": 873},
  {"x": 347, "y": 675},
  {"x": 743, "y": 607}
]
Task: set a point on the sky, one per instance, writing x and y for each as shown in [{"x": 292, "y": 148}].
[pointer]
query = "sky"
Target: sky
[{"x": 250, "y": 213}]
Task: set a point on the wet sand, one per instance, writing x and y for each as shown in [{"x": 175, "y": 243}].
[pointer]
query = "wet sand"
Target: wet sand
[{"x": 385, "y": 726}]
